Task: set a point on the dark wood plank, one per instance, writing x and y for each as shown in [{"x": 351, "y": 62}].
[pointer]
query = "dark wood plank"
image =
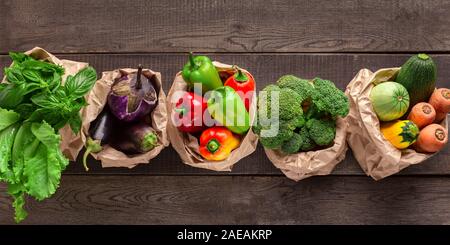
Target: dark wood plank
[
  {"x": 225, "y": 26},
  {"x": 239, "y": 200},
  {"x": 266, "y": 68}
]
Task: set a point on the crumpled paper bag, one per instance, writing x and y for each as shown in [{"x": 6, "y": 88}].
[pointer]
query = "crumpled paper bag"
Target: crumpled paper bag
[
  {"x": 97, "y": 99},
  {"x": 187, "y": 145},
  {"x": 302, "y": 165},
  {"x": 376, "y": 156},
  {"x": 69, "y": 141}
]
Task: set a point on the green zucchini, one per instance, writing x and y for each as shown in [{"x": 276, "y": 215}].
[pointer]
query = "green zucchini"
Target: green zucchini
[{"x": 418, "y": 76}]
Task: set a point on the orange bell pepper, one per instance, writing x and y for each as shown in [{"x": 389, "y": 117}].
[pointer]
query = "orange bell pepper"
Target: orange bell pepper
[{"x": 216, "y": 143}]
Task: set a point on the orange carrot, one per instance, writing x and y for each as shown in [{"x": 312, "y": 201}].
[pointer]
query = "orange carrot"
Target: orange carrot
[
  {"x": 440, "y": 100},
  {"x": 422, "y": 114},
  {"x": 431, "y": 139}
]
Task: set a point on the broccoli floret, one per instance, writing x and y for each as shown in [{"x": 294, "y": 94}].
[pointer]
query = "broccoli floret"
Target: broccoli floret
[
  {"x": 301, "y": 86},
  {"x": 321, "y": 131},
  {"x": 296, "y": 122},
  {"x": 290, "y": 104},
  {"x": 283, "y": 134},
  {"x": 292, "y": 145},
  {"x": 329, "y": 99},
  {"x": 287, "y": 101},
  {"x": 299, "y": 142},
  {"x": 307, "y": 143}
]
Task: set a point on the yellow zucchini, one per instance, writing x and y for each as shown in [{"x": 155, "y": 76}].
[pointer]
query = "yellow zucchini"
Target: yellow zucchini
[{"x": 400, "y": 133}]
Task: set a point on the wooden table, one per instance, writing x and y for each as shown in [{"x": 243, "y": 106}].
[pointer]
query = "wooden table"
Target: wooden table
[{"x": 269, "y": 38}]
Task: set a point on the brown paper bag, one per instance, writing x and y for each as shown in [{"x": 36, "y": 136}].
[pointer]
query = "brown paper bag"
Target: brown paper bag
[
  {"x": 70, "y": 143},
  {"x": 187, "y": 145},
  {"x": 97, "y": 99},
  {"x": 302, "y": 165},
  {"x": 377, "y": 157}
]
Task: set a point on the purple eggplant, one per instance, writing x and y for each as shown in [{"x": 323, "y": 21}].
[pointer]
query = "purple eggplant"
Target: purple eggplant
[
  {"x": 133, "y": 97},
  {"x": 100, "y": 133},
  {"x": 137, "y": 138}
]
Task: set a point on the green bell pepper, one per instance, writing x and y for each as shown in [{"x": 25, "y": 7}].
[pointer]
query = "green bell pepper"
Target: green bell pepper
[
  {"x": 226, "y": 107},
  {"x": 200, "y": 69}
]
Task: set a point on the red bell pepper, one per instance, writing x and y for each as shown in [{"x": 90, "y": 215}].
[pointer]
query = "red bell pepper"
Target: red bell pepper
[
  {"x": 216, "y": 143},
  {"x": 244, "y": 84},
  {"x": 188, "y": 113}
]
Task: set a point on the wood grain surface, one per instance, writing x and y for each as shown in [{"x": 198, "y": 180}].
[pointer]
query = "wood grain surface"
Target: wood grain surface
[
  {"x": 239, "y": 200},
  {"x": 105, "y": 26},
  {"x": 329, "y": 39}
]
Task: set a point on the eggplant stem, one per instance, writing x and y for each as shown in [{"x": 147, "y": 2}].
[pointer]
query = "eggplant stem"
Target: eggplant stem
[
  {"x": 138, "y": 78},
  {"x": 92, "y": 146},
  {"x": 85, "y": 156}
]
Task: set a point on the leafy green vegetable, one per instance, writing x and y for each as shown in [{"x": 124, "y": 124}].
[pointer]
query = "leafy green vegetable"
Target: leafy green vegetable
[
  {"x": 17, "y": 191},
  {"x": 8, "y": 118},
  {"x": 24, "y": 138},
  {"x": 6, "y": 142},
  {"x": 34, "y": 105},
  {"x": 44, "y": 162}
]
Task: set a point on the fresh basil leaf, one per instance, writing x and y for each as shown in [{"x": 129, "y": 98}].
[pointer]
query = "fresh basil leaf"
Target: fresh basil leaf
[
  {"x": 75, "y": 123},
  {"x": 55, "y": 82},
  {"x": 8, "y": 118},
  {"x": 43, "y": 66},
  {"x": 60, "y": 124},
  {"x": 79, "y": 85},
  {"x": 39, "y": 115},
  {"x": 60, "y": 93},
  {"x": 19, "y": 57},
  {"x": 33, "y": 75},
  {"x": 13, "y": 75},
  {"x": 46, "y": 101},
  {"x": 11, "y": 96},
  {"x": 57, "y": 119},
  {"x": 43, "y": 168},
  {"x": 25, "y": 110}
]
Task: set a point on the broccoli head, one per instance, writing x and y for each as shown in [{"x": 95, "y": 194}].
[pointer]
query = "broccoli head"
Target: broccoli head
[
  {"x": 321, "y": 131},
  {"x": 297, "y": 131},
  {"x": 283, "y": 134},
  {"x": 329, "y": 99},
  {"x": 301, "y": 86},
  {"x": 292, "y": 145}
]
